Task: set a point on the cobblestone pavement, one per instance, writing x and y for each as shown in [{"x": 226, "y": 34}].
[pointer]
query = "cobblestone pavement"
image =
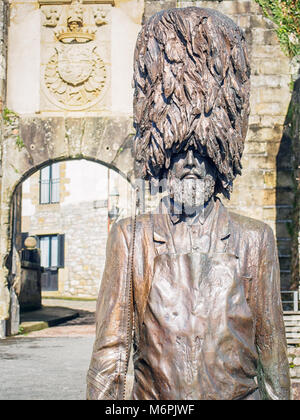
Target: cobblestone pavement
[{"x": 49, "y": 364}]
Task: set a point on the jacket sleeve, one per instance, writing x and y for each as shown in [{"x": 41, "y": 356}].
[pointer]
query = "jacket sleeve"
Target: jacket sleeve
[
  {"x": 273, "y": 368},
  {"x": 105, "y": 378}
]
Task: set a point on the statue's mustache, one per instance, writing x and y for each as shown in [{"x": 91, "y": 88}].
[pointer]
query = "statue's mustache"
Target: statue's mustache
[{"x": 192, "y": 175}]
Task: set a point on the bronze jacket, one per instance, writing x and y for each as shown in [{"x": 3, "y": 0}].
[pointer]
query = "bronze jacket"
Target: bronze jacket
[{"x": 253, "y": 244}]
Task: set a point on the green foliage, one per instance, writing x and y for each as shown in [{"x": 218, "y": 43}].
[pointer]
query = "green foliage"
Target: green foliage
[
  {"x": 291, "y": 85},
  {"x": 19, "y": 143},
  {"x": 285, "y": 14},
  {"x": 8, "y": 115},
  {"x": 290, "y": 228},
  {"x": 10, "y": 119}
]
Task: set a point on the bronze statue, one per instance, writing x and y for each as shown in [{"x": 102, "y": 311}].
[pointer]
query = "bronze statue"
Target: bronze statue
[{"x": 197, "y": 284}]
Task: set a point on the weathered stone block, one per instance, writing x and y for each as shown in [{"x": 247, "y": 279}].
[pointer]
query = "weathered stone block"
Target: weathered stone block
[
  {"x": 275, "y": 95},
  {"x": 263, "y": 162},
  {"x": 267, "y": 51},
  {"x": 285, "y": 179},
  {"x": 284, "y": 262},
  {"x": 283, "y": 230},
  {"x": 254, "y": 178},
  {"x": 296, "y": 391},
  {"x": 2, "y": 329},
  {"x": 285, "y": 279},
  {"x": 285, "y": 212},
  {"x": 244, "y": 21},
  {"x": 269, "y": 214},
  {"x": 270, "y": 37},
  {"x": 275, "y": 122},
  {"x": 296, "y": 361},
  {"x": 270, "y": 66},
  {"x": 269, "y": 197},
  {"x": 236, "y": 7},
  {"x": 273, "y": 149},
  {"x": 254, "y": 119},
  {"x": 260, "y": 21},
  {"x": 257, "y": 36},
  {"x": 14, "y": 316},
  {"x": 276, "y": 108},
  {"x": 295, "y": 372},
  {"x": 264, "y": 134},
  {"x": 284, "y": 196},
  {"x": 255, "y": 148},
  {"x": 270, "y": 80},
  {"x": 270, "y": 179},
  {"x": 249, "y": 197},
  {"x": 43, "y": 139},
  {"x": 152, "y": 7}
]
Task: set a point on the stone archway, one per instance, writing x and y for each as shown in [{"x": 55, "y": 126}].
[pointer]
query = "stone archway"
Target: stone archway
[{"x": 32, "y": 142}]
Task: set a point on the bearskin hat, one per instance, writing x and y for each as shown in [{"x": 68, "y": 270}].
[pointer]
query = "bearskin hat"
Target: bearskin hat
[{"x": 191, "y": 81}]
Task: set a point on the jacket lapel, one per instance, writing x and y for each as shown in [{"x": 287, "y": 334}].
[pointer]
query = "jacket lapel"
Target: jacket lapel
[
  {"x": 152, "y": 238},
  {"x": 224, "y": 231}
]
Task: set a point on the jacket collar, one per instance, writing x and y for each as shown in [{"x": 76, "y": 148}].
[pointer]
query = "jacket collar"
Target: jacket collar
[
  {"x": 176, "y": 215},
  {"x": 161, "y": 225}
]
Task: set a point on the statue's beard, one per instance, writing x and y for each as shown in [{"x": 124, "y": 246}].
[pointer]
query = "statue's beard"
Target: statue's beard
[{"x": 190, "y": 194}]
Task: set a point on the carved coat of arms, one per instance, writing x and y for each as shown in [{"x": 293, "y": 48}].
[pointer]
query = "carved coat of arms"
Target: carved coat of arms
[
  {"x": 74, "y": 64},
  {"x": 75, "y": 75}
]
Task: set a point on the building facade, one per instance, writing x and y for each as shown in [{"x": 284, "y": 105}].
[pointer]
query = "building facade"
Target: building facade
[{"x": 69, "y": 208}]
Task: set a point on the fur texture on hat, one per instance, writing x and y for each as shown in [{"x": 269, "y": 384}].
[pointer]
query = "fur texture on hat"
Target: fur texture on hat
[{"x": 191, "y": 81}]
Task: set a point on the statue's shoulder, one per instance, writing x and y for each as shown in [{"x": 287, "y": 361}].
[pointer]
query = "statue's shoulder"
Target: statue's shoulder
[
  {"x": 139, "y": 222},
  {"x": 247, "y": 225}
]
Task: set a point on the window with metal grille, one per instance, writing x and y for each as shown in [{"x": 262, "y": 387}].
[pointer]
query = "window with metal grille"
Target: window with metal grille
[{"x": 49, "y": 184}]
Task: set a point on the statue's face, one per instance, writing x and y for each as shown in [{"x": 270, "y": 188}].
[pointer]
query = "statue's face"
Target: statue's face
[{"x": 192, "y": 179}]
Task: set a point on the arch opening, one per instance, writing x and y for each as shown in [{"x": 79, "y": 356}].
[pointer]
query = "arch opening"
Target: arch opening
[{"x": 67, "y": 207}]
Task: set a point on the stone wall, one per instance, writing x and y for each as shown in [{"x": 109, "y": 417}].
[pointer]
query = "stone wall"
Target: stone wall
[
  {"x": 3, "y": 50},
  {"x": 4, "y": 297},
  {"x": 85, "y": 228},
  {"x": 294, "y": 360},
  {"x": 154, "y": 6},
  {"x": 292, "y": 133}
]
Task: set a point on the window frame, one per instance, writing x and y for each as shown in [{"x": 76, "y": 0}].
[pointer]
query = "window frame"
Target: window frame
[
  {"x": 60, "y": 249},
  {"x": 50, "y": 185}
]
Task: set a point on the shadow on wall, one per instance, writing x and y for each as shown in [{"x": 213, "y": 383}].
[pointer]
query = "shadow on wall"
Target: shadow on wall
[{"x": 288, "y": 194}]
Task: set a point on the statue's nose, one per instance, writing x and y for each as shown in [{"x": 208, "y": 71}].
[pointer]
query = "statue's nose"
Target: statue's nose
[{"x": 190, "y": 159}]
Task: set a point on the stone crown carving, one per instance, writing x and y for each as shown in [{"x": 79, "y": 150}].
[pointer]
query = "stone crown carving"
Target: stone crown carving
[{"x": 74, "y": 31}]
